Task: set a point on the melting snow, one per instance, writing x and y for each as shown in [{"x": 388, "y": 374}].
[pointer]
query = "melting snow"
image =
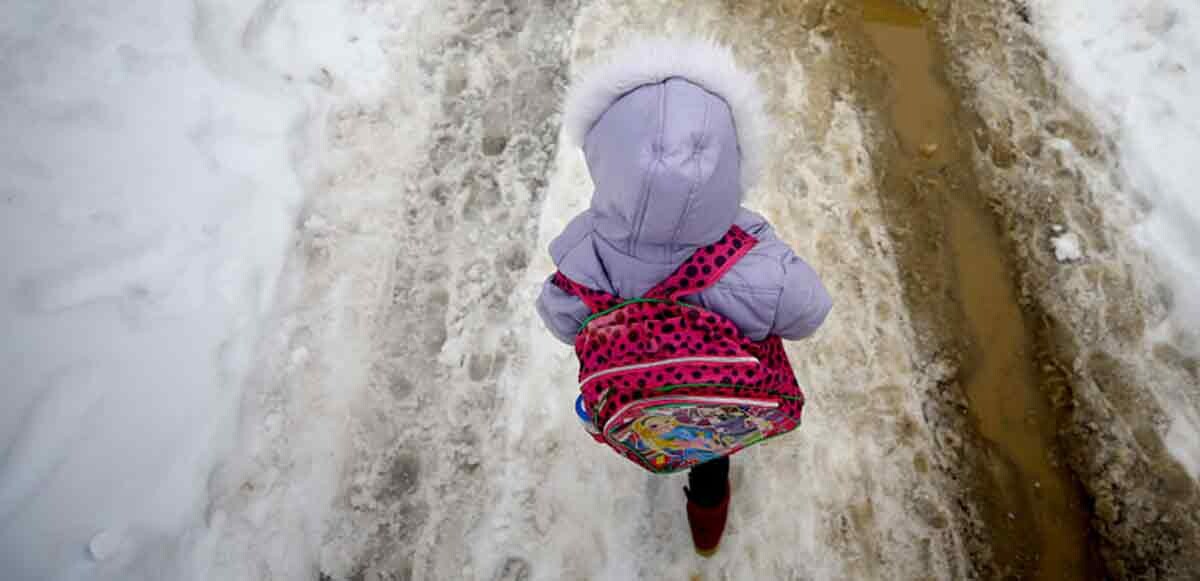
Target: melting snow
[{"x": 1135, "y": 67}]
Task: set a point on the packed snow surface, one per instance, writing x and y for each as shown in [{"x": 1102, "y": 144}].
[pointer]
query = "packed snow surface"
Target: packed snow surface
[{"x": 155, "y": 158}]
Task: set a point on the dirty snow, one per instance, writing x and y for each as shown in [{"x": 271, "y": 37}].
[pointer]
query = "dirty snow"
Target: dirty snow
[
  {"x": 239, "y": 308},
  {"x": 828, "y": 502},
  {"x": 155, "y": 159},
  {"x": 419, "y": 416},
  {"x": 1135, "y": 67},
  {"x": 256, "y": 254}
]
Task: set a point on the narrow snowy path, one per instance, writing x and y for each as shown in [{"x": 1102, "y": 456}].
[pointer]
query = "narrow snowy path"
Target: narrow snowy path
[
  {"x": 460, "y": 457},
  {"x": 507, "y": 486},
  {"x": 852, "y": 495}
]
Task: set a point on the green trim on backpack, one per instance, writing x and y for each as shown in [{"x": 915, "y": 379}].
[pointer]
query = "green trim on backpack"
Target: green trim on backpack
[
  {"x": 670, "y": 388},
  {"x": 631, "y": 302}
]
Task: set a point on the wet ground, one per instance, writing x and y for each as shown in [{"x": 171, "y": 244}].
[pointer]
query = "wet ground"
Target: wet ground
[
  {"x": 1036, "y": 513},
  {"x": 1114, "y": 378},
  {"x": 954, "y": 428}
]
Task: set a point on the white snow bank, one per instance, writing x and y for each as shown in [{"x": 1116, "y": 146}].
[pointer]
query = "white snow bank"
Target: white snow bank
[
  {"x": 154, "y": 161},
  {"x": 1137, "y": 67}
]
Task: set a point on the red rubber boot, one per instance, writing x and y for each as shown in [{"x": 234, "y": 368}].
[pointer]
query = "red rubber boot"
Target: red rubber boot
[
  {"x": 708, "y": 524},
  {"x": 708, "y": 504}
]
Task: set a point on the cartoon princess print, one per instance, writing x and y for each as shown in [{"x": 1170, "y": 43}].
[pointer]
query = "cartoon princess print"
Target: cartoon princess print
[{"x": 667, "y": 434}]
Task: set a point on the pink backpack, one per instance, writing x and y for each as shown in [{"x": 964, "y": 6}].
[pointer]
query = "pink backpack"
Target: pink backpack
[{"x": 669, "y": 384}]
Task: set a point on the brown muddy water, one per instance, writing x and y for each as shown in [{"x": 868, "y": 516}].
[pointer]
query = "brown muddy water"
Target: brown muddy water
[{"x": 1036, "y": 515}]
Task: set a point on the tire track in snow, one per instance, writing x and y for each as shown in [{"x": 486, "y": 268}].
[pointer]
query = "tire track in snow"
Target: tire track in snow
[
  {"x": 1120, "y": 376},
  {"x": 957, "y": 283}
]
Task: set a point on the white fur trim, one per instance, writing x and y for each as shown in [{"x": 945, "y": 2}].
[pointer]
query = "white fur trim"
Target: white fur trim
[{"x": 646, "y": 62}]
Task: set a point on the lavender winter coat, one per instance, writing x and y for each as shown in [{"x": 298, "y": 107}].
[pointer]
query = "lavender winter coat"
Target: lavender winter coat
[{"x": 667, "y": 168}]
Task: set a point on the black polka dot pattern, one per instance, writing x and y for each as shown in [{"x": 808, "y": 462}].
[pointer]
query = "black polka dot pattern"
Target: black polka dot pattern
[{"x": 628, "y": 347}]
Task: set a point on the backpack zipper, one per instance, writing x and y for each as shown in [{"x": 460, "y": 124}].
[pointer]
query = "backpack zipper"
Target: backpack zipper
[
  {"x": 676, "y": 361},
  {"x": 688, "y": 399}
]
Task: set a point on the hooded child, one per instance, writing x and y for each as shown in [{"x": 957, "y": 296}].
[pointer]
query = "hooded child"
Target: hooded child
[{"x": 673, "y": 133}]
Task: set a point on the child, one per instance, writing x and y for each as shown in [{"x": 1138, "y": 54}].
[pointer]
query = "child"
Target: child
[{"x": 671, "y": 132}]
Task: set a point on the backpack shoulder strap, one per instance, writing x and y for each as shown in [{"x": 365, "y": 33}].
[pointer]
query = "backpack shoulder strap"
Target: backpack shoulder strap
[
  {"x": 705, "y": 266},
  {"x": 595, "y": 300}
]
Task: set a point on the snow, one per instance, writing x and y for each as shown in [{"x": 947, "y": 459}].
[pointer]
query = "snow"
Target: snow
[
  {"x": 156, "y": 159},
  {"x": 829, "y": 502},
  {"x": 247, "y": 245},
  {"x": 220, "y": 348},
  {"x": 104, "y": 544},
  {"x": 1135, "y": 67},
  {"x": 1067, "y": 247}
]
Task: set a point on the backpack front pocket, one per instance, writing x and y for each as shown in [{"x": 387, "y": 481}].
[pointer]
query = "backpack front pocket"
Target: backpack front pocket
[{"x": 671, "y": 433}]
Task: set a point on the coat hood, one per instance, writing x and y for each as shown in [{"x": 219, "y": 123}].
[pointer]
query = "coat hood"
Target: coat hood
[{"x": 672, "y": 136}]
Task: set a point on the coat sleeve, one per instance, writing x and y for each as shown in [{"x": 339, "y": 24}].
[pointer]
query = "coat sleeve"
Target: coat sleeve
[
  {"x": 561, "y": 312},
  {"x": 804, "y": 303}
]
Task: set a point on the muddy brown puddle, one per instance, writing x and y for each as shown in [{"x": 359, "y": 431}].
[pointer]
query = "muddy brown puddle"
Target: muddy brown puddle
[{"x": 1046, "y": 534}]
